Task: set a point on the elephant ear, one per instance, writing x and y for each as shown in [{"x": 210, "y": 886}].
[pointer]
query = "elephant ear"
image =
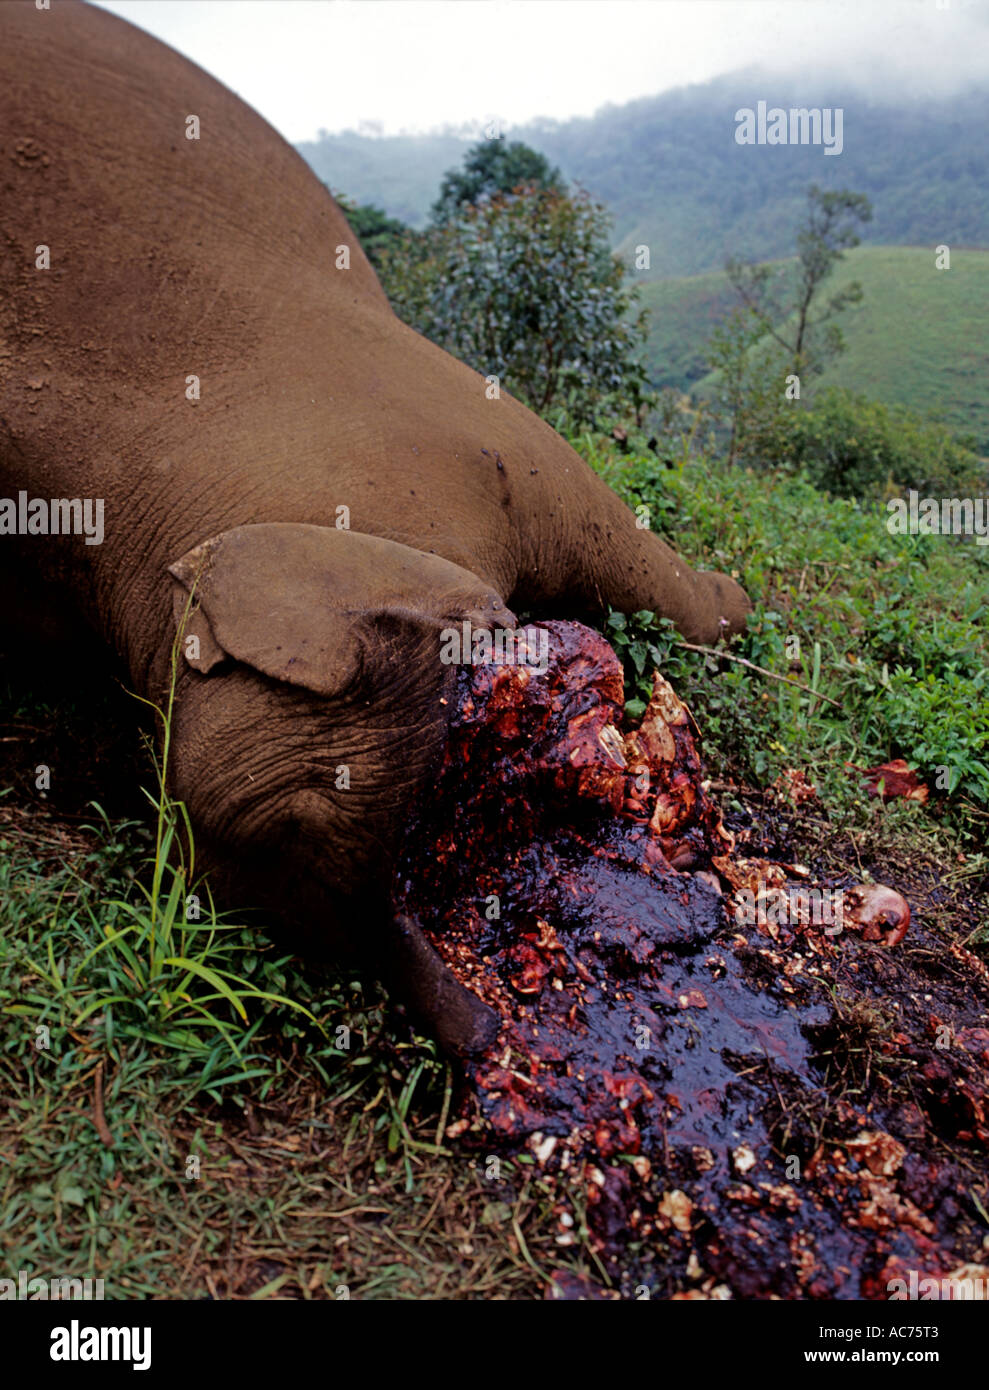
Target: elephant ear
[{"x": 314, "y": 606}]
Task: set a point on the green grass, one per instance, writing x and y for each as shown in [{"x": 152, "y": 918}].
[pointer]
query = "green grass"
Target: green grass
[
  {"x": 887, "y": 633},
  {"x": 224, "y": 1123},
  {"x": 917, "y": 339},
  {"x": 152, "y": 962},
  {"x": 683, "y": 313}
]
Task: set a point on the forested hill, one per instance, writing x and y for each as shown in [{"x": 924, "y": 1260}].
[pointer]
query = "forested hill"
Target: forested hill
[{"x": 673, "y": 177}]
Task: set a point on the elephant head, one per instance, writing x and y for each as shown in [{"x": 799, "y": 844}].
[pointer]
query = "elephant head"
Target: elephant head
[{"x": 313, "y": 709}]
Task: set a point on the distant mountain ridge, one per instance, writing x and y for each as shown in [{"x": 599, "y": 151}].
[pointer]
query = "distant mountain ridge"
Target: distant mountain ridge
[{"x": 670, "y": 171}]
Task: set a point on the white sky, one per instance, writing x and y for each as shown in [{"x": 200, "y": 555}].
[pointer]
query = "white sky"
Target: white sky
[{"x": 417, "y": 64}]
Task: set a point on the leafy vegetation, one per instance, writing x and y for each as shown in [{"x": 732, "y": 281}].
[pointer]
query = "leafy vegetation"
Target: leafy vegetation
[
  {"x": 490, "y": 168},
  {"x": 876, "y": 643},
  {"x": 377, "y": 233},
  {"x": 522, "y": 287},
  {"x": 856, "y": 447}
]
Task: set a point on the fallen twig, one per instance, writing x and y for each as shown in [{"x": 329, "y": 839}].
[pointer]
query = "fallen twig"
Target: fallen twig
[
  {"x": 99, "y": 1118},
  {"x": 743, "y": 661}
]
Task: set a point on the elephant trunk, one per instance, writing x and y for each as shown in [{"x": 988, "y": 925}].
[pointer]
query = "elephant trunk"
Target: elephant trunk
[{"x": 463, "y": 1025}]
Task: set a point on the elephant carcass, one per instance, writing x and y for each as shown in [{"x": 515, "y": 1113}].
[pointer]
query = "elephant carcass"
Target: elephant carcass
[{"x": 292, "y": 479}]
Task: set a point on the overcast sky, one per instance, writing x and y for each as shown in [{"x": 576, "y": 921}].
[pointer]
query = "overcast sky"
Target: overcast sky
[{"x": 418, "y": 64}]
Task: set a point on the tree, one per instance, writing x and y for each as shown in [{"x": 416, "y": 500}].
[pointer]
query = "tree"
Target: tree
[
  {"x": 492, "y": 167},
  {"x": 524, "y": 287},
  {"x": 778, "y": 333},
  {"x": 515, "y": 276},
  {"x": 805, "y": 338},
  {"x": 745, "y": 387},
  {"x": 374, "y": 229}
]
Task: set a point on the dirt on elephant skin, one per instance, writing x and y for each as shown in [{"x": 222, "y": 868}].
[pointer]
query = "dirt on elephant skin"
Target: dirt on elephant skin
[{"x": 733, "y": 1092}]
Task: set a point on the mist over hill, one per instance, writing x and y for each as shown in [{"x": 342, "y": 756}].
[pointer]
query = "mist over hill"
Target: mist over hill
[{"x": 670, "y": 171}]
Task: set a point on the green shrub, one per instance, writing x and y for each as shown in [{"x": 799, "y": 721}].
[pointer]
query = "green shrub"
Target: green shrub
[
  {"x": 852, "y": 446},
  {"x": 524, "y": 287}
]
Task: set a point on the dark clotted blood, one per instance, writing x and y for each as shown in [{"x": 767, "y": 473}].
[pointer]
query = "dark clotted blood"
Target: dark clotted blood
[{"x": 665, "y": 1060}]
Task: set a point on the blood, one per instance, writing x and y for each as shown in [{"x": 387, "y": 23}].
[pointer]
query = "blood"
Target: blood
[{"x": 668, "y": 1063}]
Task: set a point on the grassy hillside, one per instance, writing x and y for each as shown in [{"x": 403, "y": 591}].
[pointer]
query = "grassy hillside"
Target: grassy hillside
[
  {"x": 682, "y": 316},
  {"x": 918, "y": 338}
]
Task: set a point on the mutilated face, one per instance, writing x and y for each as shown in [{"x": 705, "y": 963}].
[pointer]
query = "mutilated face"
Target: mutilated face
[{"x": 668, "y": 1009}]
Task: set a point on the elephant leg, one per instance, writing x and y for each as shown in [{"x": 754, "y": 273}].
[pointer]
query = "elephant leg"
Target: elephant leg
[{"x": 601, "y": 557}]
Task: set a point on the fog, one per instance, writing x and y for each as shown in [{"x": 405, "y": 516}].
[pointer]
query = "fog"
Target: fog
[{"x": 417, "y": 65}]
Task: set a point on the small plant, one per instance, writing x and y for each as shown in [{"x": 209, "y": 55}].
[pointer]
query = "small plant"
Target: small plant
[{"x": 165, "y": 968}]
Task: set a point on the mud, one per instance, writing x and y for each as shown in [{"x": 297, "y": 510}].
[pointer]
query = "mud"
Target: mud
[{"x": 733, "y": 1094}]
